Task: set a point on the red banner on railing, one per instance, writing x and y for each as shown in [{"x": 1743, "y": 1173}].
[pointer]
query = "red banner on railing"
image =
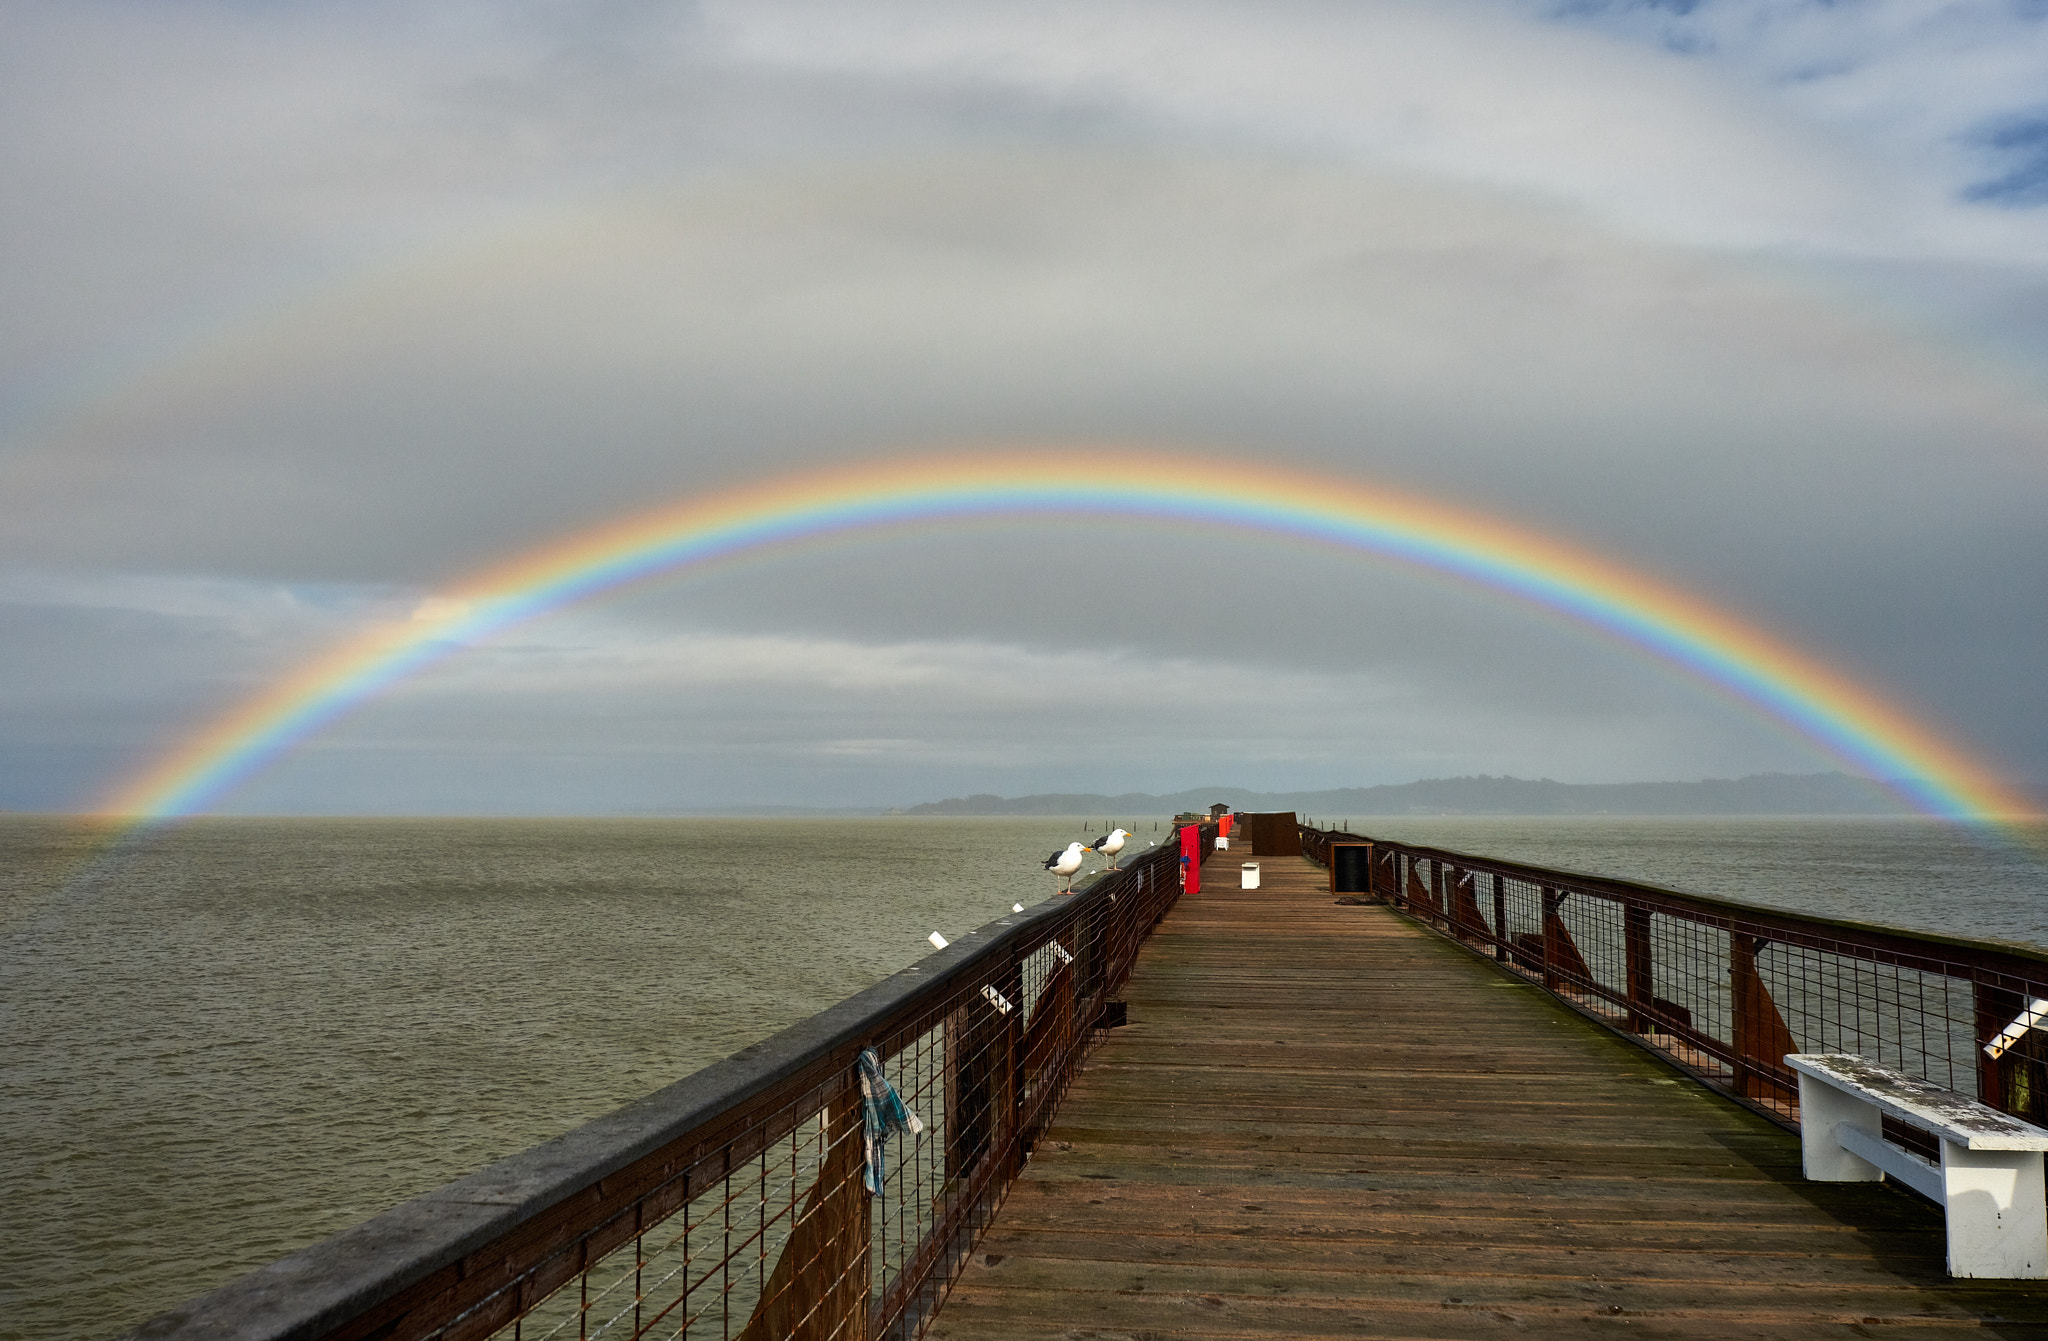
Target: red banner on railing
[{"x": 1191, "y": 859}]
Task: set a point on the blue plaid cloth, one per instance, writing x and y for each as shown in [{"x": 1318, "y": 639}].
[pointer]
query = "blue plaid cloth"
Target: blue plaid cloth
[{"x": 882, "y": 1113}]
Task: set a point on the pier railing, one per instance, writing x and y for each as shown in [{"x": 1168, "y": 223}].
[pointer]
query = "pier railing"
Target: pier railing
[
  {"x": 1723, "y": 989},
  {"x": 734, "y": 1203}
]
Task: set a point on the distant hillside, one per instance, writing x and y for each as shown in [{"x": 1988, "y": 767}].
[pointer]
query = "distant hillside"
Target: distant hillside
[{"x": 1759, "y": 794}]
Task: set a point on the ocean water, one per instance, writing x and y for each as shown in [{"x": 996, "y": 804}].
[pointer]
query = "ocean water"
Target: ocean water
[{"x": 245, "y": 1035}]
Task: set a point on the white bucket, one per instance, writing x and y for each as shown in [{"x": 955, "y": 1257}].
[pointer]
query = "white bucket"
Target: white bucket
[{"x": 1249, "y": 876}]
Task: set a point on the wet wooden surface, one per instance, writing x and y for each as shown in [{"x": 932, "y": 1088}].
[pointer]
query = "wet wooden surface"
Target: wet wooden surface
[{"x": 1324, "y": 1121}]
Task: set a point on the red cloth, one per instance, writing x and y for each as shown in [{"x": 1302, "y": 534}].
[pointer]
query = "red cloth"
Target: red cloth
[{"x": 1191, "y": 858}]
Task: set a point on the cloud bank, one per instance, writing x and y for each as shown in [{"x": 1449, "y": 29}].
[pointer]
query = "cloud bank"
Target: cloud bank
[{"x": 320, "y": 308}]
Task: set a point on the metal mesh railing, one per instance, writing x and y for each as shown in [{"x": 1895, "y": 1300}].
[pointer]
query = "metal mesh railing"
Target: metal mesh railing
[
  {"x": 734, "y": 1204},
  {"x": 1726, "y": 990}
]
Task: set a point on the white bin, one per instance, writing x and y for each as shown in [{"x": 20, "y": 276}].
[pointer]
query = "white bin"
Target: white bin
[
  {"x": 1249, "y": 876},
  {"x": 1223, "y": 842}
]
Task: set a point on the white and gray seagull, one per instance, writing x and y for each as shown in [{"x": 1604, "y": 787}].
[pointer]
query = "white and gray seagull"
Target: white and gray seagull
[
  {"x": 1064, "y": 864},
  {"x": 1110, "y": 844}
]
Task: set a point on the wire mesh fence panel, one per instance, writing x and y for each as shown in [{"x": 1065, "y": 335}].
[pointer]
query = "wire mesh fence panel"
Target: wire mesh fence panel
[
  {"x": 1727, "y": 990},
  {"x": 776, "y": 1246},
  {"x": 778, "y": 1194},
  {"x": 765, "y": 1251},
  {"x": 913, "y": 1187},
  {"x": 824, "y": 1185}
]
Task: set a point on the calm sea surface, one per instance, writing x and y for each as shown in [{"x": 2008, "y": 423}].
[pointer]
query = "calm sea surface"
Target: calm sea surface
[{"x": 249, "y": 1034}]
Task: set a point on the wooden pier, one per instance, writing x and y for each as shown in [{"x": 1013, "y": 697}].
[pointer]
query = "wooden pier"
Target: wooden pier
[
  {"x": 1319, "y": 1121},
  {"x": 1325, "y": 1121}
]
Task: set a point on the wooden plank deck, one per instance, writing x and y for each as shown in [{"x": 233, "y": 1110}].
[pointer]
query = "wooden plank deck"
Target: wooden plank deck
[{"x": 1324, "y": 1121}]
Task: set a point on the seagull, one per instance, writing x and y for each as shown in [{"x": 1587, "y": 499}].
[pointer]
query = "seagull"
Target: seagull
[
  {"x": 1064, "y": 864},
  {"x": 1110, "y": 844}
]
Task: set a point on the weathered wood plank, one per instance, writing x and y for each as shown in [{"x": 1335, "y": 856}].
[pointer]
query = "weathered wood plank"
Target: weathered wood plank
[{"x": 1323, "y": 1121}]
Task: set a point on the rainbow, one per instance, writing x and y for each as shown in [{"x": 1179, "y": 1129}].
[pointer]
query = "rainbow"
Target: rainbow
[{"x": 1856, "y": 727}]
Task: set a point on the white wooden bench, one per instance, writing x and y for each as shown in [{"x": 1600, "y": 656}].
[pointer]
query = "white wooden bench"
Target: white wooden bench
[{"x": 1989, "y": 1180}]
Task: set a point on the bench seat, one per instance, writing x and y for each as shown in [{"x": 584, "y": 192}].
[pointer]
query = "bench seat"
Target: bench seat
[{"x": 1989, "y": 1181}]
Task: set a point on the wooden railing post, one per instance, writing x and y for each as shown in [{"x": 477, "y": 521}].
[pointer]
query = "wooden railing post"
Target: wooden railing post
[
  {"x": 1642, "y": 994},
  {"x": 976, "y": 1069},
  {"x": 1500, "y": 917},
  {"x": 1422, "y": 896},
  {"x": 1094, "y": 952},
  {"x": 1048, "y": 1038},
  {"x": 1012, "y": 989},
  {"x": 819, "y": 1288},
  {"x": 2016, "y": 1081},
  {"x": 1561, "y": 957},
  {"x": 1991, "y": 1008},
  {"x": 1552, "y": 952},
  {"x": 1465, "y": 903},
  {"x": 1761, "y": 1039}
]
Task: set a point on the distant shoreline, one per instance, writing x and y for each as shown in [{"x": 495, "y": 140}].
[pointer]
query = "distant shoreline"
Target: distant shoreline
[{"x": 1758, "y": 794}]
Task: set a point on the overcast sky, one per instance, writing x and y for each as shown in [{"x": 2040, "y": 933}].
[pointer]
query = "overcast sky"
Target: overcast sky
[{"x": 310, "y": 309}]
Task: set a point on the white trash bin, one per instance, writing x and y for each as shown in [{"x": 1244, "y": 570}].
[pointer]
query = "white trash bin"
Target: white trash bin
[
  {"x": 1223, "y": 842},
  {"x": 1249, "y": 876}
]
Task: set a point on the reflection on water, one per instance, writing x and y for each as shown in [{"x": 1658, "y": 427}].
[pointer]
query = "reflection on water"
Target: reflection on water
[{"x": 252, "y": 1033}]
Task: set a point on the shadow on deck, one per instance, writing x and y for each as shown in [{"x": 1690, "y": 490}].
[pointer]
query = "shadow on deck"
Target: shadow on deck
[{"x": 1324, "y": 1121}]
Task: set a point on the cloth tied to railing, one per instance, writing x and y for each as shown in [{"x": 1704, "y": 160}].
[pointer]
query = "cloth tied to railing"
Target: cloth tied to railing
[{"x": 882, "y": 1114}]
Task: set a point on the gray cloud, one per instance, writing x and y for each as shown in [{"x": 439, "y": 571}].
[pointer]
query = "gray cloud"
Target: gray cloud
[
  {"x": 323, "y": 308},
  {"x": 628, "y": 718}
]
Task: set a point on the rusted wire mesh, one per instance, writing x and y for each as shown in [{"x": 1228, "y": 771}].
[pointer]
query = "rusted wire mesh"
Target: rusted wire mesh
[
  {"x": 789, "y": 1242},
  {"x": 1726, "y": 990},
  {"x": 736, "y": 1205}
]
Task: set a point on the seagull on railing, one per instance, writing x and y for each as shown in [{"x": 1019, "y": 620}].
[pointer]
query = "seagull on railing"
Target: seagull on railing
[
  {"x": 1110, "y": 844},
  {"x": 1064, "y": 864}
]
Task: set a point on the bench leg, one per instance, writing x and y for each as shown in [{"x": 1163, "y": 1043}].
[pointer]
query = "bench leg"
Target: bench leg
[
  {"x": 1821, "y": 1108},
  {"x": 1997, "y": 1213}
]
